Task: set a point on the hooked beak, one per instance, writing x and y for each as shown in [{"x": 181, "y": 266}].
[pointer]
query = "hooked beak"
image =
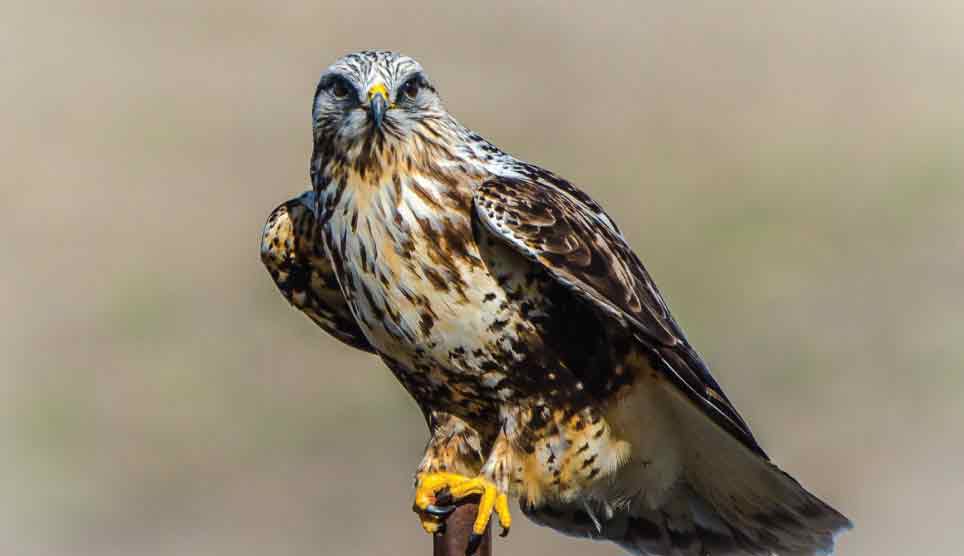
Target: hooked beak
[{"x": 378, "y": 102}]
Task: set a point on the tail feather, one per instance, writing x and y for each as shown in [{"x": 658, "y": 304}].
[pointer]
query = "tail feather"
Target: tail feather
[
  {"x": 688, "y": 525},
  {"x": 766, "y": 508},
  {"x": 654, "y": 532},
  {"x": 723, "y": 500}
]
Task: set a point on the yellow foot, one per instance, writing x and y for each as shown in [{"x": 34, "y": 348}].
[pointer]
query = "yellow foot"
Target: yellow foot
[{"x": 436, "y": 493}]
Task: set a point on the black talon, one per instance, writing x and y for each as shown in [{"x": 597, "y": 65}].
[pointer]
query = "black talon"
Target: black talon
[
  {"x": 504, "y": 533},
  {"x": 439, "y": 511},
  {"x": 444, "y": 498},
  {"x": 474, "y": 542}
]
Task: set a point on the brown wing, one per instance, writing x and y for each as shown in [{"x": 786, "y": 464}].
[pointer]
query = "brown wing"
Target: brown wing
[
  {"x": 301, "y": 270},
  {"x": 559, "y": 227}
]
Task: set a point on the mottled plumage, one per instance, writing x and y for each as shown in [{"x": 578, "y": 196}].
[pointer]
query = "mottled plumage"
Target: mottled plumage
[
  {"x": 295, "y": 258},
  {"x": 509, "y": 305}
]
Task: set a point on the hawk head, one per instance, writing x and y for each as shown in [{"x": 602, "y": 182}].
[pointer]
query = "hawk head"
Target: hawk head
[{"x": 370, "y": 98}]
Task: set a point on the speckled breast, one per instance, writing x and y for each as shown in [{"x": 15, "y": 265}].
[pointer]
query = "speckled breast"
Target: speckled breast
[{"x": 451, "y": 314}]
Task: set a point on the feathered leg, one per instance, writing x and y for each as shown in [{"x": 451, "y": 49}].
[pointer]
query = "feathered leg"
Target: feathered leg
[
  {"x": 443, "y": 479},
  {"x": 455, "y": 449}
]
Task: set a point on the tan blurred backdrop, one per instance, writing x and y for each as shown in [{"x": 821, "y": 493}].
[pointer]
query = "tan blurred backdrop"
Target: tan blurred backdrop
[{"x": 792, "y": 175}]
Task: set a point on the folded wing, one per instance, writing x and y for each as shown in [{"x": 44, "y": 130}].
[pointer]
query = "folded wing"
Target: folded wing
[
  {"x": 559, "y": 227},
  {"x": 293, "y": 254}
]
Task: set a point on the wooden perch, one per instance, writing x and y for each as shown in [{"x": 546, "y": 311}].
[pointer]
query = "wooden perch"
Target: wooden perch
[{"x": 458, "y": 527}]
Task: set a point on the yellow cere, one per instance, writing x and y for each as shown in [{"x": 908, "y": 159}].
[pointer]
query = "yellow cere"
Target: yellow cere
[{"x": 380, "y": 89}]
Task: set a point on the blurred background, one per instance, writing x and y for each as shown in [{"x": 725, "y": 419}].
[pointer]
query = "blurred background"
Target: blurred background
[{"x": 792, "y": 174}]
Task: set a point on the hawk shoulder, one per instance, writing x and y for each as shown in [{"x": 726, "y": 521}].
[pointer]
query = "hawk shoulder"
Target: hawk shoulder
[{"x": 293, "y": 254}]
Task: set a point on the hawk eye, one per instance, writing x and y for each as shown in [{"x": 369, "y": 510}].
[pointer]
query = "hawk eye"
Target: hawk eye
[
  {"x": 411, "y": 87},
  {"x": 339, "y": 89}
]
